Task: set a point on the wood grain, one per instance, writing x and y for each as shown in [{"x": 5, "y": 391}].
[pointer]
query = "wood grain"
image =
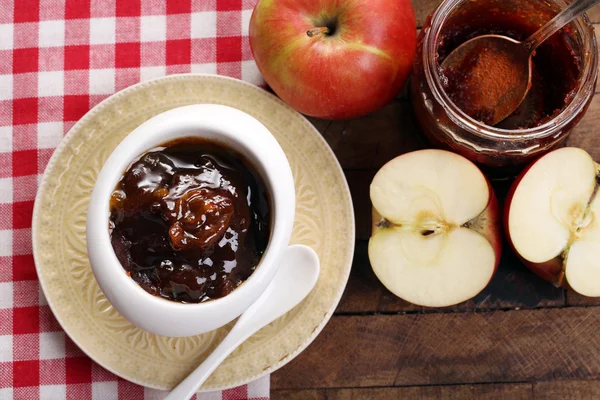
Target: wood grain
[
  {"x": 567, "y": 390},
  {"x": 371, "y": 141},
  {"x": 359, "y": 182},
  {"x": 576, "y": 299},
  {"x": 423, "y": 8},
  {"x": 521, "y": 391},
  {"x": 488, "y": 392},
  {"x": 363, "y": 292},
  {"x": 563, "y": 390},
  {"x": 453, "y": 348},
  {"x": 298, "y": 395},
  {"x": 587, "y": 134}
]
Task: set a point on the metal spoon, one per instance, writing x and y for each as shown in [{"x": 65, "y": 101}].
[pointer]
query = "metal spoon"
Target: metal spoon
[
  {"x": 292, "y": 283},
  {"x": 478, "y": 90}
]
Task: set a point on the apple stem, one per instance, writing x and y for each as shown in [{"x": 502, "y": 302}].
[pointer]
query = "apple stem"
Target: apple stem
[{"x": 321, "y": 30}]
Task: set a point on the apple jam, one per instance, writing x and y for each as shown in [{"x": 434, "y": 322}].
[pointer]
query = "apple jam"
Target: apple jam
[
  {"x": 564, "y": 80},
  {"x": 189, "y": 220},
  {"x": 556, "y": 64}
]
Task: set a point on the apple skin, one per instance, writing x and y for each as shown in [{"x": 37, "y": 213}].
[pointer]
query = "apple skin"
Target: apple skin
[
  {"x": 549, "y": 270},
  {"x": 356, "y": 70},
  {"x": 487, "y": 224}
]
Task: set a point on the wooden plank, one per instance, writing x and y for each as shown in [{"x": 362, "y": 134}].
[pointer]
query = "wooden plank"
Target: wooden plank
[
  {"x": 564, "y": 390},
  {"x": 298, "y": 395},
  {"x": 359, "y": 182},
  {"x": 371, "y": 141},
  {"x": 350, "y": 352},
  {"x": 363, "y": 292},
  {"x": 516, "y": 391},
  {"x": 320, "y": 124},
  {"x": 520, "y": 391},
  {"x": 587, "y": 134},
  {"x": 456, "y": 348},
  {"x": 567, "y": 390},
  {"x": 423, "y": 8},
  {"x": 576, "y": 299}
]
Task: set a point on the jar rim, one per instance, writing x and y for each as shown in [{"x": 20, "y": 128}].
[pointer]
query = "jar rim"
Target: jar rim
[{"x": 589, "y": 74}]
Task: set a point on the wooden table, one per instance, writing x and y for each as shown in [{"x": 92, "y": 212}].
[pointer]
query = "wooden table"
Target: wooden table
[{"x": 521, "y": 338}]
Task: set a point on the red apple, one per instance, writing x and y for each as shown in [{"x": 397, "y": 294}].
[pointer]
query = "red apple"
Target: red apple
[
  {"x": 334, "y": 59},
  {"x": 436, "y": 239},
  {"x": 552, "y": 219}
]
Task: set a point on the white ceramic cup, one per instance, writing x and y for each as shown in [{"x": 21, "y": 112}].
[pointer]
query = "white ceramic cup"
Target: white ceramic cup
[{"x": 235, "y": 130}]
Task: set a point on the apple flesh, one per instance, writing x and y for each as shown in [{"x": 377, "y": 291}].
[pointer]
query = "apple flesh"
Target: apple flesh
[
  {"x": 436, "y": 239},
  {"x": 552, "y": 219},
  {"x": 334, "y": 58}
]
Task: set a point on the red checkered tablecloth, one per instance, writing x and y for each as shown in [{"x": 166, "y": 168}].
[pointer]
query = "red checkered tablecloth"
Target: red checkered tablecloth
[{"x": 59, "y": 58}]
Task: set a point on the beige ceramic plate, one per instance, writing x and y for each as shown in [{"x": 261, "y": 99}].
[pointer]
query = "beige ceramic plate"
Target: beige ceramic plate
[{"x": 324, "y": 221}]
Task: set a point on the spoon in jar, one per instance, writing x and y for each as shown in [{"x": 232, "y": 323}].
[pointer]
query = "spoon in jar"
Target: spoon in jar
[
  {"x": 292, "y": 283},
  {"x": 489, "y": 76}
]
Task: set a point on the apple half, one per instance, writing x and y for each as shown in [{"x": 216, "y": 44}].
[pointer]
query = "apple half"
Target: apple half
[
  {"x": 436, "y": 239},
  {"x": 551, "y": 219}
]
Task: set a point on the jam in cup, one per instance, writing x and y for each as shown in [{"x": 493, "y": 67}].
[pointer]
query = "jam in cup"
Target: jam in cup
[
  {"x": 563, "y": 81},
  {"x": 183, "y": 171},
  {"x": 190, "y": 220}
]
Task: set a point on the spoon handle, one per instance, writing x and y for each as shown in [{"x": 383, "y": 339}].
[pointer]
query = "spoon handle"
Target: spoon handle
[
  {"x": 292, "y": 283},
  {"x": 576, "y": 8},
  {"x": 188, "y": 387}
]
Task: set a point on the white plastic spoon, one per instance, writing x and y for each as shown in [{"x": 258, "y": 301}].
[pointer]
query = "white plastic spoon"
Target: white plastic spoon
[{"x": 292, "y": 283}]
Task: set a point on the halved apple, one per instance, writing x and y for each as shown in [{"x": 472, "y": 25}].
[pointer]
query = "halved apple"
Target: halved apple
[
  {"x": 551, "y": 219},
  {"x": 435, "y": 238}
]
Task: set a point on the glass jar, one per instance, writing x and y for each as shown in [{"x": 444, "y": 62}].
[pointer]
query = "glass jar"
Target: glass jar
[{"x": 448, "y": 127}]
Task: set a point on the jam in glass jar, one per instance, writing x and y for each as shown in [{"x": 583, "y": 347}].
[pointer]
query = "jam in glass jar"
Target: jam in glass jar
[{"x": 564, "y": 74}]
